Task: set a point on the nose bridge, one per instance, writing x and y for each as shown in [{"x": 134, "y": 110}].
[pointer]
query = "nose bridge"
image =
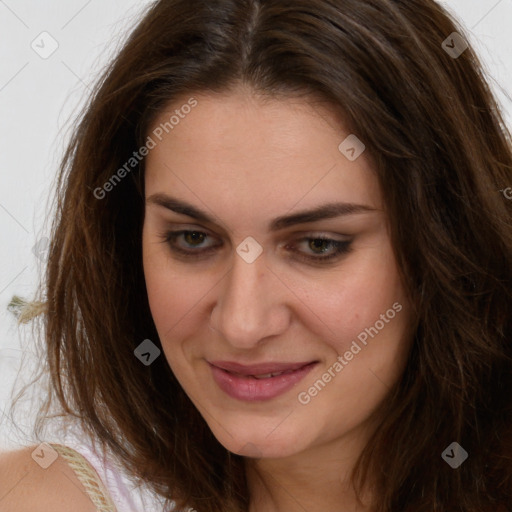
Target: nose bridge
[{"x": 247, "y": 308}]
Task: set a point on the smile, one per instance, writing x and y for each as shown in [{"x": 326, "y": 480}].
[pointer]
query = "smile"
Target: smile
[{"x": 258, "y": 382}]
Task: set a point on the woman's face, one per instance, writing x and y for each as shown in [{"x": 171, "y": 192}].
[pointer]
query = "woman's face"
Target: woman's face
[{"x": 250, "y": 289}]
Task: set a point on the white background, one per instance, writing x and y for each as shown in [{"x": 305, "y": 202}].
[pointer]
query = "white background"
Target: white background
[{"x": 38, "y": 98}]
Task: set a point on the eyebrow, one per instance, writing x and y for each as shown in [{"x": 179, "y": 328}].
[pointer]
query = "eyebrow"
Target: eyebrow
[{"x": 326, "y": 211}]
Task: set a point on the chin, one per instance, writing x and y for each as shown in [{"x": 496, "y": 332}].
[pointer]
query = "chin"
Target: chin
[
  {"x": 261, "y": 444},
  {"x": 267, "y": 450}
]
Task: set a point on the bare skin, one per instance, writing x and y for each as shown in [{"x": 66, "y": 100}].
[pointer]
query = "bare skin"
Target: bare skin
[
  {"x": 26, "y": 487},
  {"x": 245, "y": 161}
]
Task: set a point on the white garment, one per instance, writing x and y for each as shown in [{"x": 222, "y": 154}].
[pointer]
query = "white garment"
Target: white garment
[{"x": 126, "y": 494}]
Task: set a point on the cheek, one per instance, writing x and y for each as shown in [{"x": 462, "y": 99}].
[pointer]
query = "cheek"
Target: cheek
[
  {"x": 178, "y": 295},
  {"x": 171, "y": 299},
  {"x": 355, "y": 297}
]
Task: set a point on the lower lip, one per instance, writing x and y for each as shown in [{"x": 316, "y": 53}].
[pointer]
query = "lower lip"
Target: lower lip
[{"x": 250, "y": 389}]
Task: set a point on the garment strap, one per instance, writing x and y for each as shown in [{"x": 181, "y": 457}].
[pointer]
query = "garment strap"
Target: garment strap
[{"x": 87, "y": 475}]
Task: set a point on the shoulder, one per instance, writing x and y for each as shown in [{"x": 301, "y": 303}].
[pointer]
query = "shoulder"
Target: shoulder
[{"x": 36, "y": 480}]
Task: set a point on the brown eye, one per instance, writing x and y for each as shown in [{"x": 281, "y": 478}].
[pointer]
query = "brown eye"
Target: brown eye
[
  {"x": 193, "y": 237},
  {"x": 191, "y": 240}
]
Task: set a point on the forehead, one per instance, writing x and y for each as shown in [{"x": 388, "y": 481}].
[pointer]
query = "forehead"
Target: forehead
[{"x": 244, "y": 150}]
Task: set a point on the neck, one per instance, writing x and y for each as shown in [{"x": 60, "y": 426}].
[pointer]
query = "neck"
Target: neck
[{"x": 316, "y": 479}]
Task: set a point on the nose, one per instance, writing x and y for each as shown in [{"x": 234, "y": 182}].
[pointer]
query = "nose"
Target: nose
[{"x": 251, "y": 304}]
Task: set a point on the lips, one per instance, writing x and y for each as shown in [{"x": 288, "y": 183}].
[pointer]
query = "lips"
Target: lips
[{"x": 259, "y": 381}]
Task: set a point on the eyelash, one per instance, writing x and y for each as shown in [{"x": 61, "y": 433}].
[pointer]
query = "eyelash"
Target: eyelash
[{"x": 341, "y": 247}]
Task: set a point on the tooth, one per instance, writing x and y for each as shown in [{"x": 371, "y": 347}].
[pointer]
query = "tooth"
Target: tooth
[{"x": 267, "y": 375}]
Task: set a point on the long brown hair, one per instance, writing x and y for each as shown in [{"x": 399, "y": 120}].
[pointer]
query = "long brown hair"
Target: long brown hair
[{"x": 442, "y": 154}]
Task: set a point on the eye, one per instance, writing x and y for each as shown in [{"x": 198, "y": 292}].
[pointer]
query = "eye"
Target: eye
[
  {"x": 192, "y": 239},
  {"x": 320, "y": 248},
  {"x": 323, "y": 248}
]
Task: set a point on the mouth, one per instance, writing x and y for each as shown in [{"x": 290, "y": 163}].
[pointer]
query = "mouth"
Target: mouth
[{"x": 260, "y": 381}]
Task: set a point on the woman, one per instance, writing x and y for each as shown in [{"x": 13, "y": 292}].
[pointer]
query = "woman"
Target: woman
[{"x": 279, "y": 276}]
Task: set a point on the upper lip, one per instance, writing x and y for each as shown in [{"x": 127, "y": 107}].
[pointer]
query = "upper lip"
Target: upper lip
[{"x": 258, "y": 369}]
